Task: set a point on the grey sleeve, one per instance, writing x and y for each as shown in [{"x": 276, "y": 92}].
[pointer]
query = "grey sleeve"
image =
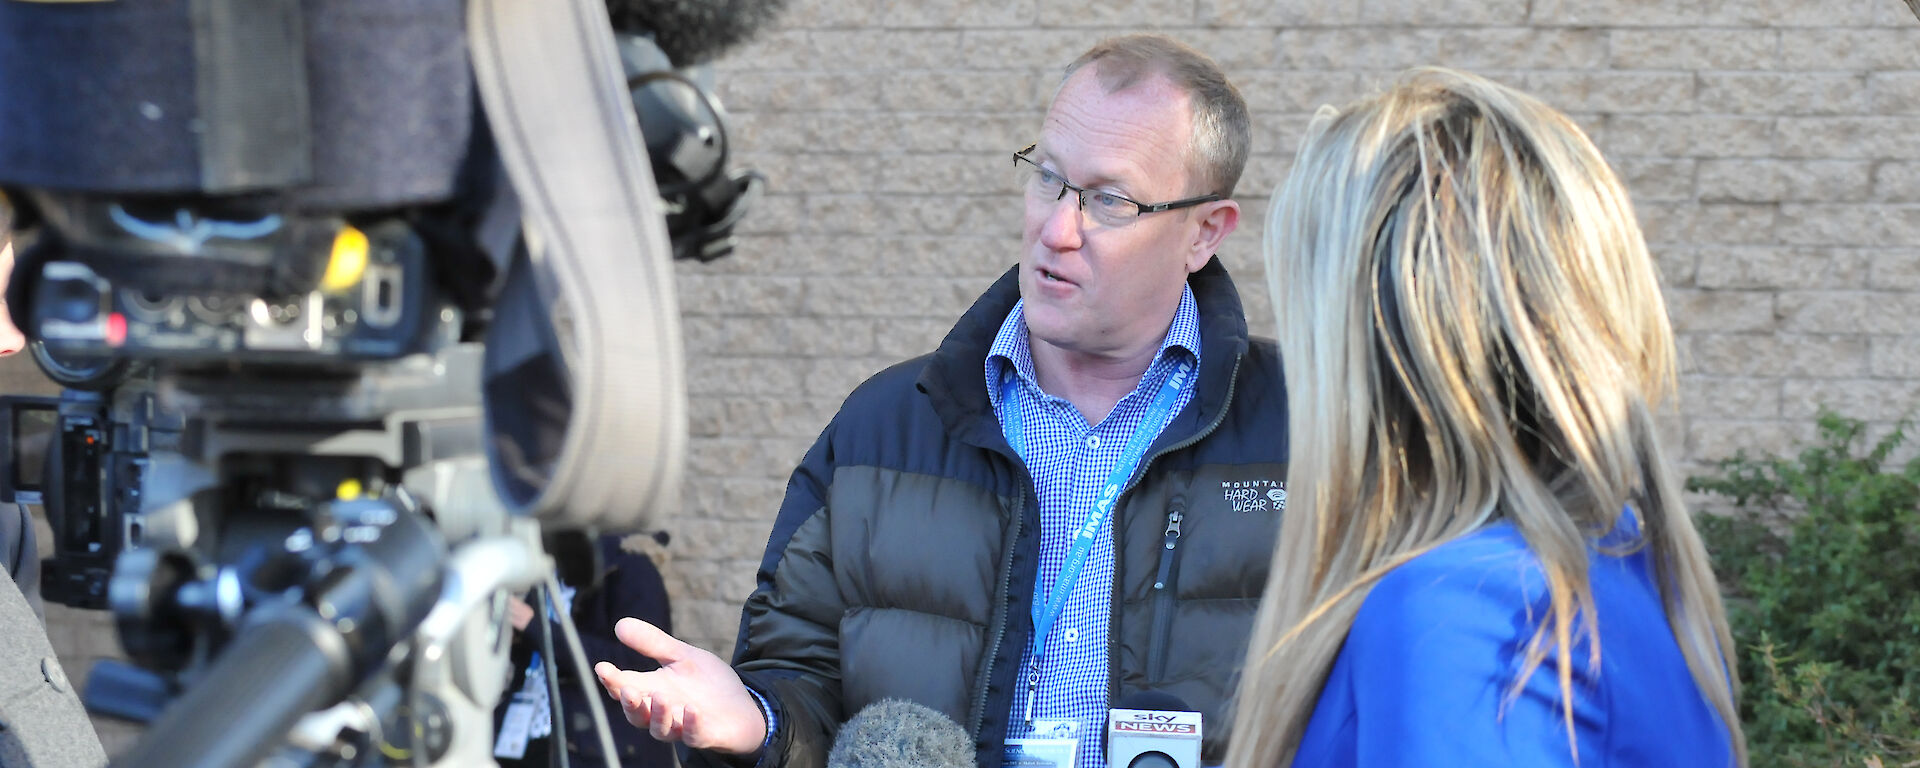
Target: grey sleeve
[
  {"x": 21, "y": 554},
  {"x": 42, "y": 724}
]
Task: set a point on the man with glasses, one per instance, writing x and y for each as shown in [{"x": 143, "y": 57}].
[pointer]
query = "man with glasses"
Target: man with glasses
[{"x": 1072, "y": 502}]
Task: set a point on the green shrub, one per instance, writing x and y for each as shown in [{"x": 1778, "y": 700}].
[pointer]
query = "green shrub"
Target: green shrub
[{"x": 1821, "y": 564}]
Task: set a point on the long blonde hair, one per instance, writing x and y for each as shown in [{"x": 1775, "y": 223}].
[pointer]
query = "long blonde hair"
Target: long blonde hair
[{"x": 1472, "y": 332}]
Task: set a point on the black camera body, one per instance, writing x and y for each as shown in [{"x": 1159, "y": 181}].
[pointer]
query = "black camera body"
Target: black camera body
[
  {"x": 85, "y": 455},
  {"x": 327, "y": 288}
]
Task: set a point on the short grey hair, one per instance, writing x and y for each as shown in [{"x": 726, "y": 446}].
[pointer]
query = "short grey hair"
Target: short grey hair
[{"x": 1222, "y": 130}]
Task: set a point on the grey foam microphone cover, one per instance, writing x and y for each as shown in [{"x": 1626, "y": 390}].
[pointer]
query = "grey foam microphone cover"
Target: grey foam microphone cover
[{"x": 895, "y": 733}]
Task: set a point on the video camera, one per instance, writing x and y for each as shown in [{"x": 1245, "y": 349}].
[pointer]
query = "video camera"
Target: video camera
[{"x": 361, "y": 307}]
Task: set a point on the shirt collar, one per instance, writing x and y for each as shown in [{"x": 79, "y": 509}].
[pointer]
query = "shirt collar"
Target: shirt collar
[{"x": 1013, "y": 351}]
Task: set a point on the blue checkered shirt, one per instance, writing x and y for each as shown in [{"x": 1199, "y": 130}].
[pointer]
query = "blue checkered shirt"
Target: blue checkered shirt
[{"x": 1070, "y": 461}]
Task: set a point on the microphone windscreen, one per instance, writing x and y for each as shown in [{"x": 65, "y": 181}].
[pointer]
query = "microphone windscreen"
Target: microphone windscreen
[
  {"x": 895, "y": 733},
  {"x": 694, "y": 31}
]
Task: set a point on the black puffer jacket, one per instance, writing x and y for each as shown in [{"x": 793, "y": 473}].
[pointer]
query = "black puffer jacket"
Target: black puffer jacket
[{"x": 902, "y": 561}]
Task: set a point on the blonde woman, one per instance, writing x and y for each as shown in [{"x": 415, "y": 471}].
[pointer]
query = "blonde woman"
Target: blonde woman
[{"x": 1486, "y": 560}]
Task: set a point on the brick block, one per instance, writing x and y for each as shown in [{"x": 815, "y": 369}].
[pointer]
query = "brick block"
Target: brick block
[
  {"x": 975, "y": 261},
  {"x": 984, "y": 132},
  {"x": 874, "y": 49},
  {"x": 1357, "y": 48},
  {"x": 847, "y": 13},
  {"x": 1694, "y": 49},
  {"x": 1880, "y": 313},
  {"x": 1734, "y": 223},
  {"x": 1281, "y": 13},
  {"x": 775, "y": 49},
  {"x": 1676, "y": 265},
  {"x": 734, "y": 295},
  {"x": 740, "y": 506},
  {"x": 953, "y": 91},
  {"x": 1657, "y": 178},
  {"x": 709, "y": 624},
  {"x": 1779, "y": 355},
  {"x": 1869, "y": 138},
  {"x": 1235, "y": 50},
  {"x": 795, "y": 132},
  {"x": 775, "y": 214},
  {"x": 1666, "y": 224},
  {"x": 958, "y": 13},
  {"x": 1768, "y": 267},
  {"x": 1896, "y": 182},
  {"x": 1619, "y": 13},
  {"x": 1045, "y": 50},
  {"x": 723, "y": 458},
  {"x": 1870, "y": 399},
  {"x": 1719, "y": 397},
  {"x": 907, "y": 337},
  {"x": 1613, "y": 92},
  {"x": 855, "y": 296},
  {"x": 1895, "y": 270},
  {"x": 948, "y": 214},
  {"x": 915, "y": 49},
  {"x": 1817, "y": 14},
  {"x": 1818, "y": 181},
  {"x": 720, "y": 579},
  {"x": 1264, "y": 173},
  {"x": 1522, "y": 48},
  {"x": 1293, "y": 93},
  {"x": 780, "y": 336},
  {"x": 744, "y": 376},
  {"x": 1723, "y": 311},
  {"x": 1444, "y": 13},
  {"x": 1783, "y": 93},
  {"x": 837, "y": 378},
  {"x": 1848, "y": 49},
  {"x": 792, "y": 416},
  {"x": 1894, "y": 93},
  {"x": 1127, "y": 13},
  {"x": 1689, "y": 136},
  {"x": 1895, "y": 356},
  {"x": 1856, "y": 224},
  {"x": 1715, "y": 439},
  {"x": 970, "y": 173},
  {"x": 801, "y": 90}
]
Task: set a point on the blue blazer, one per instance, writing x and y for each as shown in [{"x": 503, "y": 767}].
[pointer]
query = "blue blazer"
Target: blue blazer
[{"x": 1424, "y": 676}]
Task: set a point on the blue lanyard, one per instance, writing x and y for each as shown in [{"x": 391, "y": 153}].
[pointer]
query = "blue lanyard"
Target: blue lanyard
[{"x": 1156, "y": 418}]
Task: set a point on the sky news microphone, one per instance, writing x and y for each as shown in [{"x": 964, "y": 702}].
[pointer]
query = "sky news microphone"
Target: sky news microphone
[
  {"x": 1151, "y": 729},
  {"x": 896, "y": 733}
]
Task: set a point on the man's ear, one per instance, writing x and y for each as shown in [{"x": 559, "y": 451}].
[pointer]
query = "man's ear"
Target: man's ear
[{"x": 1216, "y": 221}]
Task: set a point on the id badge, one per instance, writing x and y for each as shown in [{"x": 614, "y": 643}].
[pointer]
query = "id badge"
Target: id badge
[
  {"x": 515, "y": 728},
  {"x": 1053, "y": 744}
]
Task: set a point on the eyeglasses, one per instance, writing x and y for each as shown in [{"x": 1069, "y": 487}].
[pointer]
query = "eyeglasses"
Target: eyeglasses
[{"x": 1107, "y": 208}]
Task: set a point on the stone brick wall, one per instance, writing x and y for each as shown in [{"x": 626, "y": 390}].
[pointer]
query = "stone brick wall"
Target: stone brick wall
[{"x": 1772, "y": 148}]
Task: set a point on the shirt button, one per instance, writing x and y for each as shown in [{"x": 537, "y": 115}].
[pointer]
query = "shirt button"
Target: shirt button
[
  {"x": 1072, "y": 635},
  {"x": 1093, "y": 441}
]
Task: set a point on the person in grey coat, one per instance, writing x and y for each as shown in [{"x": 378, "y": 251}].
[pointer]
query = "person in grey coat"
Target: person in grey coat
[{"x": 42, "y": 723}]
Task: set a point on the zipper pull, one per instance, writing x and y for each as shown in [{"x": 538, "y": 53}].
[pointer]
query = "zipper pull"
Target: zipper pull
[{"x": 1172, "y": 539}]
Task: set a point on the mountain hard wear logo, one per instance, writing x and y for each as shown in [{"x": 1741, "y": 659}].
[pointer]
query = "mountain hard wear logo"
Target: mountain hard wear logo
[{"x": 1255, "y": 495}]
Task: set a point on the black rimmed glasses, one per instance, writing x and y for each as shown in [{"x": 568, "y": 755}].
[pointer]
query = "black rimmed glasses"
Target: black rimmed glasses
[{"x": 1110, "y": 209}]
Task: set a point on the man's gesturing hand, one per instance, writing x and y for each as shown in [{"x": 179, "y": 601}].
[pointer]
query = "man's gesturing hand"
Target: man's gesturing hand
[{"x": 693, "y": 697}]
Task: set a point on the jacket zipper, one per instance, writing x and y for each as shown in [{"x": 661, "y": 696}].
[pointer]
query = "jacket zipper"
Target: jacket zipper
[
  {"x": 1113, "y": 530},
  {"x": 1000, "y": 622},
  {"x": 1163, "y": 594}
]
